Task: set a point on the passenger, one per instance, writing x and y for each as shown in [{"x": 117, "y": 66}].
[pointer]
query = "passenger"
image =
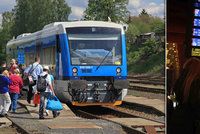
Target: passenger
[
  {"x": 186, "y": 117},
  {"x": 4, "y": 92},
  {"x": 52, "y": 78},
  {"x": 35, "y": 69},
  {"x": 13, "y": 65},
  {"x": 15, "y": 87},
  {"x": 26, "y": 70},
  {"x": 3, "y": 64},
  {"x": 21, "y": 68},
  {"x": 52, "y": 81},
  {"x": 47, "y": 93}
]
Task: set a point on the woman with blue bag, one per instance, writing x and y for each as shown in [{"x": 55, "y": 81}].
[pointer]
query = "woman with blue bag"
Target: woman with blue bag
[{"x": 45, "y": 88}]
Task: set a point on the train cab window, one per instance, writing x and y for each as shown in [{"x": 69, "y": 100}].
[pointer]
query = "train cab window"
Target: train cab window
[{"x": 91, "y": 46}]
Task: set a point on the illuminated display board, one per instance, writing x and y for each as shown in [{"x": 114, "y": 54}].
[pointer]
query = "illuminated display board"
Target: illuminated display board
[
  {"x": 196, "y": 32},
  {"x": 197, "y": 22},
  {"x": 195, "y": 42},
  {"x": 195, "y": 52},
  {"x": 196, "y": 29},
  {"x": 197, "y": 12}
]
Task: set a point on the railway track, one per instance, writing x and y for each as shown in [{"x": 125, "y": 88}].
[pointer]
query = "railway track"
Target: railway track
[
  {"x": 130, "y": 122},
  {"x": 152, "y": 84},
  {"x": 142, "y": 111}
]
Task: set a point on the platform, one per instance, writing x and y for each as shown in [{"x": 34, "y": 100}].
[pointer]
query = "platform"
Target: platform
[
  {"x": 4, "y": 122},
  {"x": 67, "y": 122}
]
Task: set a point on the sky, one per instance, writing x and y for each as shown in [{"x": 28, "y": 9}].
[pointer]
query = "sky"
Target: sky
[{"x": 153, "y": 7}]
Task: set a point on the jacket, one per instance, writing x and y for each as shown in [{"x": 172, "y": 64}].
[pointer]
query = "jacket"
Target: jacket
[
  {"x": 4, "y": 83},
  {"x": 16, "y": 83}
]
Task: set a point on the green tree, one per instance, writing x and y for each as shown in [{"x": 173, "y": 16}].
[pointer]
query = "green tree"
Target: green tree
[
  {"x": 32, "y": 15},
  {"x": 22, "y": 12},
  {"x": 143, "y": 23},
  {"x": 143, "y": 13},
  {"x": 157, "y": 24},
  {"x": 131, "y": 35},
  {"x": 6, "y": 32},
  {"x": 147, "y": 56},
  {"x": 103, "y": 9}
]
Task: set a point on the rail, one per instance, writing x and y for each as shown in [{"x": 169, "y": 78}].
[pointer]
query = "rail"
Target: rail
[
  {"x": 153, "y": 84},
  {"x": 118, "y": 115}
]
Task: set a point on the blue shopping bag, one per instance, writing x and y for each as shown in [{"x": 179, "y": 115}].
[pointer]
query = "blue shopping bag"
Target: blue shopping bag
[{"x": 54, "y": 104}]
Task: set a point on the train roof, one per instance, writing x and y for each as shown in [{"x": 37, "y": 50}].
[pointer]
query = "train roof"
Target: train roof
[{"x": 59, "y": 28}]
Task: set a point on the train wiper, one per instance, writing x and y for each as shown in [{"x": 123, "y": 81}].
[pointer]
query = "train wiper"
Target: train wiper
[{"x": 105, "y": 57}]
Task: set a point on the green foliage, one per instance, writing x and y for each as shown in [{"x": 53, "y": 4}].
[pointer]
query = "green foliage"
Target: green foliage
[
  {"x": 146, "y": 23},
  {"x": 32, "y": 15},
  {"x": 148, "y": 56},
  {"x": 131, "y": 34},
  {"x": 154, "y": 64},
  {"x": 6, "y": 32},
  {"x": 102, "y": 9},
  {"x": 143, "y": 13},
  {"x": 143, "y": 52}
]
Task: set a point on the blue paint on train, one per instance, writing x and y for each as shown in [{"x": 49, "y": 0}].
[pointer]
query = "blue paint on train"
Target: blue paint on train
[{"x": 64, "y": 54}]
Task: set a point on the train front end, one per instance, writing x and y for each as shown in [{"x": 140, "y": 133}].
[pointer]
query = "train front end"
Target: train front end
[{"x": 97, "y": 67}]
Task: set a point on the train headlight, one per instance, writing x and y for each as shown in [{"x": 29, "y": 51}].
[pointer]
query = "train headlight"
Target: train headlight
[
  {"x": 74, "y": 70},
  {"x": 118, "y": 70}
]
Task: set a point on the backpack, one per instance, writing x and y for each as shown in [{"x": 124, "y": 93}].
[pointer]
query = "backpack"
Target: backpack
[{"x": 42, "y": 83}]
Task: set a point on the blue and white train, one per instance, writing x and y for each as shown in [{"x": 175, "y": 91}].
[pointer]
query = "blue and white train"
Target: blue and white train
[{"x": 88, "y": 59}]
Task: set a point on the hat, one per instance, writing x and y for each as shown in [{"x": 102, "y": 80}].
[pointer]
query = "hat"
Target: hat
[{"x": 46, "y": 67}]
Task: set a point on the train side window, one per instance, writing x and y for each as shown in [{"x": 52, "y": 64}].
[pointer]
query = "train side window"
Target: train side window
[
  {"x": 29, "y": 58},
  {"x": 58, "y": 44},
  {"x": 49, "y": 55}
]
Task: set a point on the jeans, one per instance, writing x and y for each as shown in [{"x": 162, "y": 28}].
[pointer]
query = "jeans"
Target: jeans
[
  {"x": 4, "y": 103},
  {"x": 14, "y": 98},
  {"x": 43, "y": 101}
]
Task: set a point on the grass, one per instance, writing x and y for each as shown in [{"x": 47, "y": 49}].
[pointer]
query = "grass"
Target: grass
[{"x": 153, "y": 64}]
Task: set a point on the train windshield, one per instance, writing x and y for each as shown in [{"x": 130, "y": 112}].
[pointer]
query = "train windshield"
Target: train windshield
[{"x": 95, "y": 45}]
